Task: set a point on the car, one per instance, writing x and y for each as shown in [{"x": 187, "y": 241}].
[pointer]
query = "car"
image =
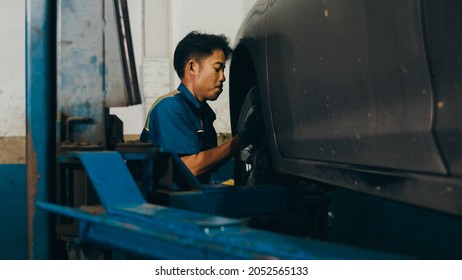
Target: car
[{"x": 361, "y": 104}]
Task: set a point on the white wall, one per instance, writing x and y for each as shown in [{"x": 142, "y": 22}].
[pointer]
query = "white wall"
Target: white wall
[{"x": 12, "y": 68}]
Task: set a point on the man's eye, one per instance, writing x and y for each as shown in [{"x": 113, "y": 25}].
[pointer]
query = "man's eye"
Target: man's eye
[{"x": 217, "y": 69}]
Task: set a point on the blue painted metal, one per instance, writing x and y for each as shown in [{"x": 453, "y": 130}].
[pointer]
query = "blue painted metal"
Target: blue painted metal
[
  {"x": 110, "y": 177},
  {"x": 156, "y": 232},
  {"x": 81, "y": 68},
  {"x": 145, "y": 230},
  {"x": 40, "y": 88},
  {"x": 212, "y": 198},
  {"x": 90, "y": 65},
  {"x": 109, "y": 169},
  {"x": 242, "y": 201}
]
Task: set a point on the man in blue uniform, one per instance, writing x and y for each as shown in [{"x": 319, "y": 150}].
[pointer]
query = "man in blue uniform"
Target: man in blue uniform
[{"x": 182, "y": 121}]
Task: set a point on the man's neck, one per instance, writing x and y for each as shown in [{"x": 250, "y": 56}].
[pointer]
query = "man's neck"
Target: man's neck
[{"x": 189, "y": 86}]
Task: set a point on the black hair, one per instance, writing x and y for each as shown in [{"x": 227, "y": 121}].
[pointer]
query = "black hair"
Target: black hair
[{"x": 196, "y": 46}]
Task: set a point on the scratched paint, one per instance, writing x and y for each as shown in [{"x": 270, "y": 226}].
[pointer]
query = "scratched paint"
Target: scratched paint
[
  {"x": 40, "y": 119},
  {"x": 81, "y": 87},
  {"x": 90, "y": 74},
  {"x": 32, "y": 179}
]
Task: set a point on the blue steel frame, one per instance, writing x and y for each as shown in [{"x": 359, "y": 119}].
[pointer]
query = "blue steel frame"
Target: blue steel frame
[
  {"x": 146, "y": 231},
  {"x": 40, "y": 108}
]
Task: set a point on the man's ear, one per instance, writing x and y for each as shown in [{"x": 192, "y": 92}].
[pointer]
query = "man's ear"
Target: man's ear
[{"x": 192, "y": 66}]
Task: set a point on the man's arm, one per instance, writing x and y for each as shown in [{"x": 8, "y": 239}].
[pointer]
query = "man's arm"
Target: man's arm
[
  {"x": 250, "y": 133},
  {"x": 207, "y": 160}
]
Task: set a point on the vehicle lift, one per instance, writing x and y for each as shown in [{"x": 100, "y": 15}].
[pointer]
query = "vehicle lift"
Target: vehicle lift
[{"x": 80, "y": 168}]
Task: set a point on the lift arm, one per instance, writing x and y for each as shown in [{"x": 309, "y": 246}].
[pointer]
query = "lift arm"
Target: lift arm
[{"x": 144, "y": 230}]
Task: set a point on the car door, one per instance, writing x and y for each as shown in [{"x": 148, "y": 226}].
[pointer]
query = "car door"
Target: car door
[{"x": 349, "y": 83}]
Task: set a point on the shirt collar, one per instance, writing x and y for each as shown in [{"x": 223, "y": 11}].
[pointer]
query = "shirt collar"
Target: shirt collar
[{"x": 189, "y": 95}]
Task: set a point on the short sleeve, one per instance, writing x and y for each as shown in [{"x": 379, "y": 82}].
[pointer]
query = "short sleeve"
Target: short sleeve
[{"x": 173, "y": 129}]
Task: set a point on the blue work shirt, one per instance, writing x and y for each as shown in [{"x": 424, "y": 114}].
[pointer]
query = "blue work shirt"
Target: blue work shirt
[{"x": 179, "y": 123}]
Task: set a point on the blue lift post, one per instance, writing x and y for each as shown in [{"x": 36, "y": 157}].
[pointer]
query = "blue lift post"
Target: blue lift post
[
  {"x": 41, "y": 112},
  {"x": 127, "y": 223}
]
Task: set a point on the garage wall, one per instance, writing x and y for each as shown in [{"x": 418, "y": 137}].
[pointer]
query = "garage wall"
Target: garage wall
[
  {"x": 13, "y": 240},
  {"x": 12, "y": 82}
]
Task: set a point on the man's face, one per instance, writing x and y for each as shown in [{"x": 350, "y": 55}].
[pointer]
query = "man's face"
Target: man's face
[{"x": 209, "y": 79}]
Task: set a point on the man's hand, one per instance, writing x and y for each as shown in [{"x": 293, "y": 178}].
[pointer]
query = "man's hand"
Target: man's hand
[{"x": 253, "y": 129}]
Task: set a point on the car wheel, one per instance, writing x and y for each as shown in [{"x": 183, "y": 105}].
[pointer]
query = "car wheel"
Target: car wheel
[{"x": 253, "y": 166}]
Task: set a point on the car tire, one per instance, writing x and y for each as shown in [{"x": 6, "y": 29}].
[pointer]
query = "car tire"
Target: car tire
[
  {"x": 252, "y": 162},
  {"x": 253, "y": 166}
]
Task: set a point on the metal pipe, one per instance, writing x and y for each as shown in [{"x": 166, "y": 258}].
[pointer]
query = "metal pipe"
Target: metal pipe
[
  {"x": 70, "y": 121},
  {"x": 126, "y": 47}
]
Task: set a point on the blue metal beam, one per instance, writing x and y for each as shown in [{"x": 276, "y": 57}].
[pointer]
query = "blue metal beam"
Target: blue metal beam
[
  {"x": 41, "y": 112},
  {"x": 145, "y": 230},
  {"x": 156, "y": 232}
]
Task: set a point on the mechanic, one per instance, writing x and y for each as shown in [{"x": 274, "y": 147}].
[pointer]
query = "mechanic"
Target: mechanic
[{"x": 182, "y": 121}]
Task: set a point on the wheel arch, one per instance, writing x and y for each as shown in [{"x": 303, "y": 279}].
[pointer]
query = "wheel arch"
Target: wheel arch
[{"x": 242, "y": 77}]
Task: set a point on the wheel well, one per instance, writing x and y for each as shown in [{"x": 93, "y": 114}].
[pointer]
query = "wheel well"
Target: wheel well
[{"x": 242, "y": 78}]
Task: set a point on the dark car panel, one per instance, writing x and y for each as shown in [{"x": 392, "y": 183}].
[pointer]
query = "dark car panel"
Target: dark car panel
[
  {"x": 444, "y": 44},
  {"x": 355, "y": 82},
  {"x": 363, "y": 95}
]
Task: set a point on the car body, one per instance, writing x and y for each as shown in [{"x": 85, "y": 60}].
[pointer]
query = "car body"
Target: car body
[{"x": 361, "y": 95}]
